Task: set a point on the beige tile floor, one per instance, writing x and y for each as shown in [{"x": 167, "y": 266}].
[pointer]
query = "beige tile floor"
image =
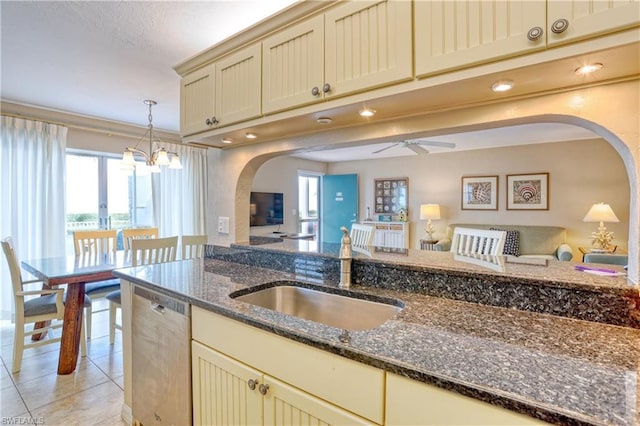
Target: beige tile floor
[{"x": 92, "y": 395}]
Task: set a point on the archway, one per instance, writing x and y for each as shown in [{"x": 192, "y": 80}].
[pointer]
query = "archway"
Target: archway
[{"x": 609, "y": 111}]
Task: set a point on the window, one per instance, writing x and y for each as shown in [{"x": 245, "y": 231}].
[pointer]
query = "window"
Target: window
[
  {"x": 100, "y": 195},
  {"x": 308, "y": 202}
]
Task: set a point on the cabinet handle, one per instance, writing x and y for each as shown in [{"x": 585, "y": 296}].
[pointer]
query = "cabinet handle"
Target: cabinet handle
[
  {"x": 326, "y": 88},
  {"x": 315, "y": 91},
  {"x": 263, "y": 389},
  {"x": 559, "y": 26},
  {"x": 211, "y": 121},
  {"x": 252, "y": 384},
  {"x": 535, "y": 33}
]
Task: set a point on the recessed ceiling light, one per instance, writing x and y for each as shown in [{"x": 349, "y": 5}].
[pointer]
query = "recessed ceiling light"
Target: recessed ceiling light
[
  {"x": 250, "y": 136},
  {"x": 226, "y": 140},
  {"x": 502, "y": 85},
  {"x": 589, "y": 68},
  {"x": 367, "y": 112},
  {"x": 323, "y": 120}
]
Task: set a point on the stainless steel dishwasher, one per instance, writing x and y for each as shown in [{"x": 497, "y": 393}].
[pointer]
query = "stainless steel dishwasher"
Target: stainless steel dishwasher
[{"x": 161, "y": 352}]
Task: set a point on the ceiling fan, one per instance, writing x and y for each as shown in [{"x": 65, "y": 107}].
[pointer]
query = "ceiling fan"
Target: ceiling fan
[{"x": 416, "y": 147}]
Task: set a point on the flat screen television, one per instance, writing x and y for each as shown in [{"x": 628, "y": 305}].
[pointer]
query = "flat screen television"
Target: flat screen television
[{"x": 266, "y": 208}]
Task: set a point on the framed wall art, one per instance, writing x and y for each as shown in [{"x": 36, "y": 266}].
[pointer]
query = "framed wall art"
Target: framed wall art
[
  {"x": 480, "y": 193},
  {"x": 528, "y": 192},
  {"x": 391, "y": 195}
]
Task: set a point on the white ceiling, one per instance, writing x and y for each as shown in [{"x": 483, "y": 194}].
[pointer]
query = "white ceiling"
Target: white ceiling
[{"x": 103, "y": 58}]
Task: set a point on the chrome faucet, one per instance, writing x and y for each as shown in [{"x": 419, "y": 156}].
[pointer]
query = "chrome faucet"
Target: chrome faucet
[{"x": 345, "y": 259}]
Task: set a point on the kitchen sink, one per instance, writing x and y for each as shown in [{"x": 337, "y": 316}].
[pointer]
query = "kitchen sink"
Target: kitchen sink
[{"x": 337, "y": 308}]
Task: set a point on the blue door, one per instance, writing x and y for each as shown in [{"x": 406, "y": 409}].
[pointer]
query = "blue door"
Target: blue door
[{"x": 339, "y": 205}]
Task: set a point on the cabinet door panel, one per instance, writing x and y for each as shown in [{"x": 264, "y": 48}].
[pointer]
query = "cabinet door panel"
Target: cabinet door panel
[
  {"x": 292, "y": 66},
  {"x": 410, "y": 402},
  {"x": 454, "y": 34},
  {"x": 197, "y": 103},
  {"x": 367, "y": 44},
  {"x": 286, "y": 405},
  {"x": 588, "y": 18},
  {"x": 221, "y": 394},
  {"x": 238, "y": 85}
]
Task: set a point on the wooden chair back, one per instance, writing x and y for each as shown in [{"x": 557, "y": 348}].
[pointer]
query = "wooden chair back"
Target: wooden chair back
[
  {"x": 193, "y": 246},
  {"x": 155, "y": 250},
  {"x": 97, "y": 241},
  {"x": 14, "y": 265},
  {"x": 362, "y": 238},
  {"x": 137, "y": 234},
  {"x": 469, "y": 241}
]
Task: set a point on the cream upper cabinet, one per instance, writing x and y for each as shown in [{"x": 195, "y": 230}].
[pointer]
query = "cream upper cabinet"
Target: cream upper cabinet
[
  {"x": 410, "y": 402},
  {"x": 197, "y": 106},
  {"x": 292, "y": 69},
  {"x": 454, "y": 34},
  {"x": 353, "y": 47},
  {"x": 237, "y": 82},
  {"x": 367, "y": 44},
  {"x": 571, "y": 20},
  {"x": 221, "y": 93}
]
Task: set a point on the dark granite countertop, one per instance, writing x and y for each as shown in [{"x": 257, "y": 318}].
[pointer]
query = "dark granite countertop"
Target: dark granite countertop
[{"x": 561, "y": 370}]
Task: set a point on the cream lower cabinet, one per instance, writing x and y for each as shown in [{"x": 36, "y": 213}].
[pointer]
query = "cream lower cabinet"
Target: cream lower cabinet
[
  {"x": 228, "y": 392},
  {"x": 304, "y": 383},
  {"x": 410, "y": 402}
]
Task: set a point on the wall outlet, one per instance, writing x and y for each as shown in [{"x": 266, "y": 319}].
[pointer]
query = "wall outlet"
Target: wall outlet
[{"x": 223, "y": 225}]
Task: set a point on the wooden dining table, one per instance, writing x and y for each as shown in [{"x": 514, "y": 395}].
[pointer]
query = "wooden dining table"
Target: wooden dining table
[{"x": 75, "y": 271}]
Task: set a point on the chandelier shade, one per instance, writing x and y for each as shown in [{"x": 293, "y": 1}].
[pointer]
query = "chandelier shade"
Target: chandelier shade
[{"x": 155, "y": 158}]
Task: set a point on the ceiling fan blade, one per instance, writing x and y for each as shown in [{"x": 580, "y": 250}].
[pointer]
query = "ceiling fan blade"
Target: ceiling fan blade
[
  {"x": 417, "y": 149},
  {"x": 386, "y": 148},
  {"x": 438, "y": 144}
]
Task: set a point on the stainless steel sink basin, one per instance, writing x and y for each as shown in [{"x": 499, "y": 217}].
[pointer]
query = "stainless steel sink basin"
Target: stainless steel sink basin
[{"x": 344, "y": 310}]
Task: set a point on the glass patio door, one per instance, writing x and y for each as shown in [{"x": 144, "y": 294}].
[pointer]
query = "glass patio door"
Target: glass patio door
[{"x": 100, "y": 195}]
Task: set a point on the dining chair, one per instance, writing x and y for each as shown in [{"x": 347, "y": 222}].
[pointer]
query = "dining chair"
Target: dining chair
[
  {"x": 130, "y": 234},
  {"x": 143, "y": 252},
  {"x": 95, "y": 243},
  {"x": 466, "y": 241},
  {"x": 31, "y": 310},
  {"x": 362, "y": 238},
  {"x": 193, "y": 246}
]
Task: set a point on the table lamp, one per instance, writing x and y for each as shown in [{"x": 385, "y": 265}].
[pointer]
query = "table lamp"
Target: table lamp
[
  {"x": 429, "y": 212},
  {"x": 601, "y": 213}
]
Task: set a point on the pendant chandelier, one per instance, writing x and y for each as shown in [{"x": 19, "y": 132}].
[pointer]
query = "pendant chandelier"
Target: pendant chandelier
[{"x": 154, "y": 159}]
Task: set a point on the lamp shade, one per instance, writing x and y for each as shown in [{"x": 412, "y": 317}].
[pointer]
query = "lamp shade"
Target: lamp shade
[
  {"x": 600, "y": 212},
  {"x": 429, "y": 211}
]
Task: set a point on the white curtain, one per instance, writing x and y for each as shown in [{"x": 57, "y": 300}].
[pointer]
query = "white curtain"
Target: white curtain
[
  {"x": 32, "y": 194},
  {"x": 179, "y": 196}
]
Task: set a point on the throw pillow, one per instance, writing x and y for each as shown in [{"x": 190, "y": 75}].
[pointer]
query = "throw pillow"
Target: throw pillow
[{"x": 511, "y": 242}]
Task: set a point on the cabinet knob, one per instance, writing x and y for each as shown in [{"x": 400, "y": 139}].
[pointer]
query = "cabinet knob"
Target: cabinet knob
[
  {"x": 315, "y": 91},
  {"x": 211, "y": 121},
  {"x": 326, "y": 88},
  {"x": 535, "y": 33},
  {"x": 252, "y": 384},
  {"x": 559, "y": 26},
  {"x": 263, "y": 389}
]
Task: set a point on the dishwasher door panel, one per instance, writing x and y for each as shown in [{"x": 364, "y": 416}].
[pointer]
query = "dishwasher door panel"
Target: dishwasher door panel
[{"x": 161, "y": 337}]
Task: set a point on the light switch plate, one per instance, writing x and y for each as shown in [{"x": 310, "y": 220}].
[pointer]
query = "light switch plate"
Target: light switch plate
[{"x": 223, "y": 225}]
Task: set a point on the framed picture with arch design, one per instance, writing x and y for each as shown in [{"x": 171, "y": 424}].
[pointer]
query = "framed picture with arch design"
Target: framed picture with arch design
[{"x": 528, "y": 191}]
